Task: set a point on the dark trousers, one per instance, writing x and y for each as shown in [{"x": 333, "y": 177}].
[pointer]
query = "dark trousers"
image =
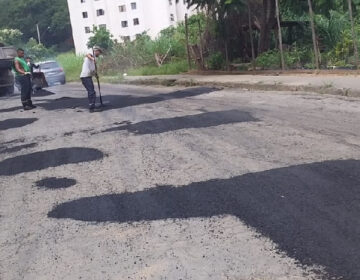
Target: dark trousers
[
  {"x": 25, "y": 84},
  {"x": 89, "y": 85}
]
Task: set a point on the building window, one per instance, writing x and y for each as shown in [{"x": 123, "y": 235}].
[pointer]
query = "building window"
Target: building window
[
  {"x": 102, "y": 26},
  {"x": 172, "y": 18},
  {"x": 82, "y": 1},
  {"x": 124, "y": 23},
  {"x": 87, "y": 29},
  {"x": 85, "y": 15},
  {"x": 125, "y": 38},
  {"x": 100, "y": 12},
  {"x": 133, "y": 6},
  {"x": 136, "y": 21},
  {"x": 122, "y": 8}
]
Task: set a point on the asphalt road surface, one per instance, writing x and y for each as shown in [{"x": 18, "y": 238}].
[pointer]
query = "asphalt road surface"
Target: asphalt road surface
[{"x": 180, "y": 183}]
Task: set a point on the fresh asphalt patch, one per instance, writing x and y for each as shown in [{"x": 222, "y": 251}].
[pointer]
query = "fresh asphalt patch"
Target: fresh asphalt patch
[
  {"x": 204, "y": 120},
  {"x": 9, "y": 150},
  {"x": 310, "y": 211},
  {"x": 123, "y": 101},
  {"x": 16, "y": 123},
  {"x": 50, "y": 158},
  {"x": 55, "y": 183}
]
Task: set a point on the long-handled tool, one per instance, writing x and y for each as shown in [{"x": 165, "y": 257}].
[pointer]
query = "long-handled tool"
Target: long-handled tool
[{"x": 97, "y": 78}]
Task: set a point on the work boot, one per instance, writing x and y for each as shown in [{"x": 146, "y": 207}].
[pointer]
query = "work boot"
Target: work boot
[
  {"x": 92, "y": 108},
  {"x": 30, "y": 104},
  {"x": 27, "y": 107}
]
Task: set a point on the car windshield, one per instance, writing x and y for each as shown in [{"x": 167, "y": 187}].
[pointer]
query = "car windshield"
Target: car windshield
[{"x": 49, "y": 65}]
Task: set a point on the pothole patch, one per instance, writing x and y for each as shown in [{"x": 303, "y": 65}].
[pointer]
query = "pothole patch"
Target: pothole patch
[{"x": 55, "y": 183}]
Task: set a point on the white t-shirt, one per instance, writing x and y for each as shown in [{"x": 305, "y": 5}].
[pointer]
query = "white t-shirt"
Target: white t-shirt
[{"x": 88, "y": 68}]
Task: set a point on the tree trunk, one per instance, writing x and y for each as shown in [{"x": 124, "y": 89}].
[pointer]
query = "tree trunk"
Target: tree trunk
[
  {"x": 227, "y": 56},
  {"x": 187, "y": 41},
  {"x": 356, "y": 53},
  {"x": 314, "y": 35},
  {"x": 253, "y": 61},
  {"x": 266, "y": 24},
  {"x": 280, "y": 35}
]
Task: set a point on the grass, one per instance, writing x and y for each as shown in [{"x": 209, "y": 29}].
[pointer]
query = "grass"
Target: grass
[
  {"x": 72, "y": 65},
  {"x": 166, "y": 69}
]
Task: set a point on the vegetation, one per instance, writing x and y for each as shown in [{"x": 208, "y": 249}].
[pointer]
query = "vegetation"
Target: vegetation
[
  {"x": 72, "y": 65},
  {"x": 228, "y": 34},
  {"x": 314, "y": 34}
]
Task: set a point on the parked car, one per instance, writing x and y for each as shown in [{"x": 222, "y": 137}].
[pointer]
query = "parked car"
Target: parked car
[{"x": 54, "y": 74}]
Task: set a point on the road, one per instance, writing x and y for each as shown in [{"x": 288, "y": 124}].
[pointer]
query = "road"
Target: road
[{"x": 180, "y": 183}]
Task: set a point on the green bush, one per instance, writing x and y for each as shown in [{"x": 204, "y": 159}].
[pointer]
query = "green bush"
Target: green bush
[
  {"x": 294, "y": 58},
  {"x": 72, "y": 65},
  {"x": 171, "y": 68},
  {"x": 298, "y": 57},
  {"x": 269, "y": 60},
  {"x": 216, "y": 61},
  {"x": 38, "y": 51}
]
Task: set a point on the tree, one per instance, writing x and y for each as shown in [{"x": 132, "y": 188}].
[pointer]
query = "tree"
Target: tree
[
  {"x": 52, "y": 16},
  {"x": 10, "y": 36},
  {"x": 311, "y": 13},
  {"x": 280, "y": 35},
  {"x": 356, "y": 53},
  {"x": 102, "y": 38}
]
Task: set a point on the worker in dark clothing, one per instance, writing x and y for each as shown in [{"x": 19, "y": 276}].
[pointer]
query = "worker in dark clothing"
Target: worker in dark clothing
[{"x": 23, "y": 76}]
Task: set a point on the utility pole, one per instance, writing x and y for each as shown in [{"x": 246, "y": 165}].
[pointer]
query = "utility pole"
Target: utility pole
[
  {"x": 38, "y": 33},
  {"x": 311, "y": 12},
  {"x": 280, "y": 35},
  {"x": 356, "y": 53}
]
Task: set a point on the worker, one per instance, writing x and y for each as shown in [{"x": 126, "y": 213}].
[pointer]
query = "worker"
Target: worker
[
  {"x": 23, "y": 77},
  {"x": 88, "y": 71}
]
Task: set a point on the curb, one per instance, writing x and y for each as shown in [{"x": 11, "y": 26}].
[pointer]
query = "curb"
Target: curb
[{"x": 263, "y": 87}]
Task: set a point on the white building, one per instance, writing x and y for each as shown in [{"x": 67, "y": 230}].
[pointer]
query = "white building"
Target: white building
[{"x": 123, "y": 18}]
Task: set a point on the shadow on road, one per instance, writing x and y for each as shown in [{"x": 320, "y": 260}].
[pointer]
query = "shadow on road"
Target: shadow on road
[
  {"x": 122, "y": 101},
  {"x": 114, "y": 101},
  {"x": 310, "y": 211},
  {"x": 194, "y": 121},
  {"x": 11, "y": 109},
  {"x": 50, "y": 158},
  {"x": 16, "y": 123},
  {"x": 42, "y": 92}
]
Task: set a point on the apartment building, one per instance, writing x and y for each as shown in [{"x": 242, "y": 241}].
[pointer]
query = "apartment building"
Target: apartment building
[{"x": 123, "y": 18}]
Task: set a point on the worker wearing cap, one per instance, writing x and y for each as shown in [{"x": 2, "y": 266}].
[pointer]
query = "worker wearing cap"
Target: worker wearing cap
[
  {"x": 23, "y": 77},
  {"x": 88, "y": 71}
]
